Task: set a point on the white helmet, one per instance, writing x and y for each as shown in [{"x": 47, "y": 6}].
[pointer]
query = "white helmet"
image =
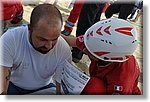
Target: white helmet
[{"x": 112, "y": 40}]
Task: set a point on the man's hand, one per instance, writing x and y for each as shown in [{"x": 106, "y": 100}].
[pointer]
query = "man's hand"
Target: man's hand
[
  {"x": 4, "y": 93},
  {"x": 58, "y": 88}
]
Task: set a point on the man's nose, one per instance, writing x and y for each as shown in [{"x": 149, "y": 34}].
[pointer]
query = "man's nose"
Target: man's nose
[{"x": 49, "y": 44}]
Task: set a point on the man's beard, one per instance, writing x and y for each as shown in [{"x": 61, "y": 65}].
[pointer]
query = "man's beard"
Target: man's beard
[
  {"x": 42, "y": 49},
  {"x": 39, "y": 49}
]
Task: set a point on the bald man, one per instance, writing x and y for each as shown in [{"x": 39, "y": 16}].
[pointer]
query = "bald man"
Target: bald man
[{"x": 32, "y": 54}]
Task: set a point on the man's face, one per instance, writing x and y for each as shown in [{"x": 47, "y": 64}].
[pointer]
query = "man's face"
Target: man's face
[{"x": 44, "y": 36}]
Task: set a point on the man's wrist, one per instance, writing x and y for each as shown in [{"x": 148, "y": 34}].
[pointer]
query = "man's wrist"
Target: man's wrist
[{"x": 4, "y": 93}]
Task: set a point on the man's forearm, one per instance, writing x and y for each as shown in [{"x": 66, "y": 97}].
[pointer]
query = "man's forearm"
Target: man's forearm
[
  {"x": 4, "y": 80},
  {"x": 70, "y": 40},
  {"x": 58, "y": 88}
]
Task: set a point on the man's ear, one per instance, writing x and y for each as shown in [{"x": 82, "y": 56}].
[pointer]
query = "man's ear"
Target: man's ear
[{"x": 30, "y": 29}]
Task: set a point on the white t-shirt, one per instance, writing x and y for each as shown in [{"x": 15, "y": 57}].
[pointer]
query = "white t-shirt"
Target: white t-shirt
[{"x": 30, "y": 68}]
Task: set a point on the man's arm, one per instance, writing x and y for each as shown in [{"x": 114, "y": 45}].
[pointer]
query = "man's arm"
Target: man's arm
[
  {"x": 75, "y": 41},
  {"x": 58, "y": 88},
  {"x": 70, "y": 40},
  {"x": 4, "y": 81}
]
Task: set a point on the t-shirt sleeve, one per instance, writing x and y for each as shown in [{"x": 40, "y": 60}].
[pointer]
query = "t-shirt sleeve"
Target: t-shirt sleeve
[
  {"x": 7, "y": 49},
  {"x": 65, "y": 54}
]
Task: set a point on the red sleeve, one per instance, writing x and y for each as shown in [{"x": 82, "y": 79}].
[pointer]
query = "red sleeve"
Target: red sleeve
[
  {"x": 75, "y": 12},
  {"x": 12, "y": 10},
  {"x": 80, "y": 42},
  {"x": 19, "y": 13}
]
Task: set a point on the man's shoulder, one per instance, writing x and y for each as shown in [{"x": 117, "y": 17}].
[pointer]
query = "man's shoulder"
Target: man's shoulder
[
  {"x": 15, "y": 31},
  {"x": 13, "y": 36},
  {"x": 20, "y": 28},
  {"x": 63, "y": 42},
  {"x": 63, "y": 46}
]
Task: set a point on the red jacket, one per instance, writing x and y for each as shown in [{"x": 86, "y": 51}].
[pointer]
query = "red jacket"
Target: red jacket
[
  {"x": 118, "y": 77},
  {"x": 12, "y": 10}
]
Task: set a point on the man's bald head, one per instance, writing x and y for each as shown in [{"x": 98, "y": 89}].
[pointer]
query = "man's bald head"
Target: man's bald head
[{"x": 45, "y": 11}]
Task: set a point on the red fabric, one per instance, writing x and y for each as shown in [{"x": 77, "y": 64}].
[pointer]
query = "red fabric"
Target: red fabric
[
  {"x": 95, "y": 86},
  {"x": 123, "y": 74},
  {"x": 80, "y": 42},
  {"x": 75, "y": 12},
  {"x": 106, "y": 6},
  {"x": 119, "y": 77},
  {"x": 11, "y": 10},
  {"x": 69, "y": 29}
]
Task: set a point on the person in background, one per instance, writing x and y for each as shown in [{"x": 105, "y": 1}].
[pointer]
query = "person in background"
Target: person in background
[
  {"x": 107, "y": 4},
  {"x": 137, "y": 11},
  {"x": 90, "y": 14},
  {"x": 110, "y": 45},
  {"x": 73, "y": 17},
  {"x": 12, "y": 13},
  {"x": 124, "y": 9},
  {"x": 32, "y": 54}
]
